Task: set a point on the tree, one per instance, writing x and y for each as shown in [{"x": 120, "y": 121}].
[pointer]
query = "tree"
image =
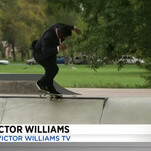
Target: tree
[
  {"x": 30, "y": 23},
  {"x": 1, "y": 18},
  {"x": 22, "y": 22},
  {"x": 114, "y": 28}
]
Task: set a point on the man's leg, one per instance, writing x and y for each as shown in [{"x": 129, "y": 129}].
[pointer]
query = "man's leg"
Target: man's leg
[
  {"x": 50, "y": 73},
  {"x": 46, "y": 82},
  {"x": 41, "y": 84}
]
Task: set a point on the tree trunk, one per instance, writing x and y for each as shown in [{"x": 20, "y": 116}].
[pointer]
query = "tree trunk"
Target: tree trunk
[
  {"x": 14, "y": 54},
  {"x": 22, "y": 55},
  {"x": 2, "y": 51},
  {"x": 28, "y": 54}
]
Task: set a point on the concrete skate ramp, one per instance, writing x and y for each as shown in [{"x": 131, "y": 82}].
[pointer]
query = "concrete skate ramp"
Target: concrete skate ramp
[
  {"x": 29, "y": 109},
  {"x": 130, "y": 110},
  {"x": 22, "y": 83},
  {"x": 43, "y": 111},
  {"x": 62, "y": 90}
]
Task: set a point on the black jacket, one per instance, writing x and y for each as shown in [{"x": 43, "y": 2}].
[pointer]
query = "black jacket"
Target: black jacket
[{"x": 46, "y": 46}]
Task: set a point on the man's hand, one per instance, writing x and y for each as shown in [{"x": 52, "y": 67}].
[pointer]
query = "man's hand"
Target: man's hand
[
  {"x": 62, "y": 46},
  {"x": 78, "y": 31}
]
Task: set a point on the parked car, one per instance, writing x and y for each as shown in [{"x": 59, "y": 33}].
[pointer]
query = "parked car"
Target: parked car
[
  {"x": 31, "y": 61},
  {"x": 60, "y": 60},
  {"x": 127, "y": 59},
  {"x": 4, "y": 62},
  {"x": 81, "y": 59}
]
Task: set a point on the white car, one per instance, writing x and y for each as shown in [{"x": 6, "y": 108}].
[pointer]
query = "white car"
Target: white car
[
  {"x": 31, "y": 62},
  {"x": 130, "y": 60},
  {"x": 4, "y": 62}
]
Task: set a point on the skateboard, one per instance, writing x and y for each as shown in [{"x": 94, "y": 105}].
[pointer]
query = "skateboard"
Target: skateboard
[
  {"x": 54, "y": 97},
  {"x": 65, "y": 94},
  {"x": 50, "y": 96}
]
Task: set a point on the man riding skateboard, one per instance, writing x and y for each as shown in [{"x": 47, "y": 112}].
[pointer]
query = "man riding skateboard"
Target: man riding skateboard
[{"x": 45, "y": 50}]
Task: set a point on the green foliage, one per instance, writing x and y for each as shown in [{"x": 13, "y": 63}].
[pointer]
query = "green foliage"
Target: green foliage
[
  {"x": 22, "y": 22},
  {"x": 113, "y": 28}
]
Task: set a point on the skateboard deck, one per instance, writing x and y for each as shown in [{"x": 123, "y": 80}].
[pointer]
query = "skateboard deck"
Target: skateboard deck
[
  {"x": 54, "y": 97},
  {"x": 46, "y": 93}
]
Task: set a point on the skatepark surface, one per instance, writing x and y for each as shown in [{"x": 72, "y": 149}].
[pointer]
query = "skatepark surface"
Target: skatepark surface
[
  {"x": 94, "y": 106},
  {"x": 20, "y": 104}
]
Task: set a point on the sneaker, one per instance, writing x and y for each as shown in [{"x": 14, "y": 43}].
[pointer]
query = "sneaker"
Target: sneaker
[{"x": 41, "y": 87}]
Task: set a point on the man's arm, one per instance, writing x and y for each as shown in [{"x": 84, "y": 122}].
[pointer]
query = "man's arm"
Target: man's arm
[{"x": 77, "y": 30}]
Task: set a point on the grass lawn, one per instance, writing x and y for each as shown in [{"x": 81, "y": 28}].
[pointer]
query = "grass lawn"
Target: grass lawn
[{"x": 82, "y": 76}]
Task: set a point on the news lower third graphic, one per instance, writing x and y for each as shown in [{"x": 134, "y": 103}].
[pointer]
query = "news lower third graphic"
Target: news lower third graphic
[
  {"x": 34, "y": 133},
  {"x": 74, "y": 133}
]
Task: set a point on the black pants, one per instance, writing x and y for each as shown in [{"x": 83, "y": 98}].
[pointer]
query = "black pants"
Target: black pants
[{"x": 51, "y": 70}]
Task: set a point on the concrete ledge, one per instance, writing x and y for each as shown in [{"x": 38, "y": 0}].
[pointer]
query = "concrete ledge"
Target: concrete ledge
[
  {"x": 18, "y": 87},
  {"x": 43, "y": 111},
  {"x": 129, "y": 110},
  {"x": 28, "y": 87}
]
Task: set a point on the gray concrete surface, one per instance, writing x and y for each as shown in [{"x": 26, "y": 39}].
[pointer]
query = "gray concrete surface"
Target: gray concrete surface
[
  {"x": 120, "y": 110},
  {"x": 124, "y": 106},
  {"x": 111, "y": 93},
  {"x": 27, "y": 87},
  {"x": 18, "y": 87},
  {"x": 43, "y": 111},
  {"x": 2, "y": 108},
  {"x": 136, "y": 110},
  {"x": 25, "y": 83}
]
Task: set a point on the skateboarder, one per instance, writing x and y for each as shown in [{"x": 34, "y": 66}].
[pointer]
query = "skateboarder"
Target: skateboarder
[{"x": 45, "y": 50}]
